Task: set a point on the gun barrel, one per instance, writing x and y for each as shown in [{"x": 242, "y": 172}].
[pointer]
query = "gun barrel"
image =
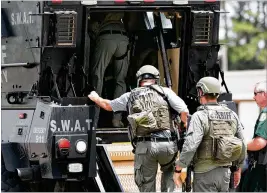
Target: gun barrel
[
  {"x": 188, "y": 186},
  {"x": 164, "y": 60}
]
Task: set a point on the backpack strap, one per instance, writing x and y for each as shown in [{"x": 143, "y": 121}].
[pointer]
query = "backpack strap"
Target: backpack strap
[
  {"x": 160, "y": 91},
  {"x": 132, "y": 138}
]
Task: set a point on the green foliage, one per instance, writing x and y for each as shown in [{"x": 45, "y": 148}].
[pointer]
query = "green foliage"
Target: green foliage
[
  {"x": 244, "y": 27},
  {"x": 262, "y": 57},
  {"x": 249, "y": 32}
]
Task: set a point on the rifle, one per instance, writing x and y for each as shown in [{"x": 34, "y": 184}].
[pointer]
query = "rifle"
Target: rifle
[
  {"x": 187, "y": 184},
  {"x": 190, "y": 168},
  {"x": 65, "y": 75}
]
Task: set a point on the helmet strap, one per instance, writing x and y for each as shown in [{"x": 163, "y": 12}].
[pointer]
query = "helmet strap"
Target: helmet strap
[{"x": 200, "y": 93}]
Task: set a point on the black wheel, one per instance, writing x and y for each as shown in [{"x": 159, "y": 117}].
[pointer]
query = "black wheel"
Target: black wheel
[{"x": 9, "y": 181}]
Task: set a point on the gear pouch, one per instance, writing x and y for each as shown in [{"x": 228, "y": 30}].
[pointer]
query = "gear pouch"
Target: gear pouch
[
  {"x": 143, "y": 123},
  {"x": 228, "y": 148}
]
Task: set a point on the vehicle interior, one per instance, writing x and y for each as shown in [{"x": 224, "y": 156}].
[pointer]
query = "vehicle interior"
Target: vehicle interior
[{"x": 144, "y": 49}]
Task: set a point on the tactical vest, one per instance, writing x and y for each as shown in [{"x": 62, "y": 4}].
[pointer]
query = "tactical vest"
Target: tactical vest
[
  {"x": 219, "y": 138},
  {"x": 148, "y": 111}
]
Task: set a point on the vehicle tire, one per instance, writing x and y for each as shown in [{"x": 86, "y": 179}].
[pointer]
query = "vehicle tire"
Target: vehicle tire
[{"x": 9, "y": 181}]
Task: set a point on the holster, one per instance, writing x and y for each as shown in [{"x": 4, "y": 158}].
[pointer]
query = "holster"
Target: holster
[{"x": 132, "y": 139}]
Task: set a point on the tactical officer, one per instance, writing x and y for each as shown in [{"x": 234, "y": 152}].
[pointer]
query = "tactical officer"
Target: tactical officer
[
  {"x": 150, "y": 126},
  {"x": 112, "y": 42},
  {"x": 213, "y": 141},
  {"x": 255, "y": 179}
]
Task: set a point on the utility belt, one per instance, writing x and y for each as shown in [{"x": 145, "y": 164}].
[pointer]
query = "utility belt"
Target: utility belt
[
  {"x": 104, "y": 32},
  {"x": 155, "y": 139},
  {"x": 158, "y": 139},
  {"x": 226, "y": 166}
]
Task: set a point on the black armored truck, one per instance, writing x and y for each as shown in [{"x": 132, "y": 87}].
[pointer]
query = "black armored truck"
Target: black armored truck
[{"x": 51, "y": 138}]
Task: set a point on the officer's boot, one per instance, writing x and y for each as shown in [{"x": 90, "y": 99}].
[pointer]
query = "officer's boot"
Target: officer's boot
[{"x": 116, "y": 121}]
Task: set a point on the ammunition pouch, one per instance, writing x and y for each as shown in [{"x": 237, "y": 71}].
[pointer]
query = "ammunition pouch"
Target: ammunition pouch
[
  {"x": 142, "y": 123},
  {"x": 220, "y": 144},
  {"x": 228, "y": 149}
]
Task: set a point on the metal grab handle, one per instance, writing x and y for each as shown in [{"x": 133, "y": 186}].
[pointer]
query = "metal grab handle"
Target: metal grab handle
[{"x": 14, "y": 64}]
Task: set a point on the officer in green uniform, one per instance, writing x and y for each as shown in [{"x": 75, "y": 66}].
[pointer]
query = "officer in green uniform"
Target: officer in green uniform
[
  {"x": 213, "y": 142},
  {"x": 151, "y": 128},
  {"x": 255, "y": 179},
  {"x": 111, "y": 42}
]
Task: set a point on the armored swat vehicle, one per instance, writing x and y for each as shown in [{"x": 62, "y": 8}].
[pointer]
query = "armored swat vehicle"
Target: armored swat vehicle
[{"x": 51, "y": 138}]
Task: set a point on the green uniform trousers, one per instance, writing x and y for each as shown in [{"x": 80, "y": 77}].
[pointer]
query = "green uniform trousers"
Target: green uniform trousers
[{"x": 254, "y": 180}]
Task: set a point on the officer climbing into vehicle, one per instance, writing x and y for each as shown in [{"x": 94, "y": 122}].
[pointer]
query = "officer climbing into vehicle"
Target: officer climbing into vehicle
[
  {"x": 151, "y": 127},
  {"x": 213, "y": 143},
  {"x": 111, "y": 42}
]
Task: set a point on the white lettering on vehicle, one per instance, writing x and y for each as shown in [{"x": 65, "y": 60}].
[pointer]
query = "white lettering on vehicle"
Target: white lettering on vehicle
[
  {"x": 21, "y": 18},
  {"x": 39, "y": 130},
  {"x": 65, "y": 125},
  {"x": 53, "y": 126},
  {"x": 78, "y": 126},
  {"x": 4, "y": 75},
  {"x": 3, "y": 54},
  {"x": 39, "y": 139},
  {"x": 89, "y": 121}
]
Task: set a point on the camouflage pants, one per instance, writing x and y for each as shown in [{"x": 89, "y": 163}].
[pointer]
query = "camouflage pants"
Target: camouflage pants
[
  {"x": 147, "y": 157},
  {"x": 216, "y": 180}
]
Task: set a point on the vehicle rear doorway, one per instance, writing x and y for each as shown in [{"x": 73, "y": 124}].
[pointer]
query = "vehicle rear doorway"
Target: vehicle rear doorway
[{"x": 142, "y": 29}]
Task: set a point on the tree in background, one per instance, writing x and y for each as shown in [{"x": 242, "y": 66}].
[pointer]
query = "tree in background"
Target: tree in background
[{"x": 247, "y": 38}]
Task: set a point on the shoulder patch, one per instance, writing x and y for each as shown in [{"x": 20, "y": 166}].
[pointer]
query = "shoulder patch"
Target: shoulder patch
[{"x": 262, "y": 117}]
